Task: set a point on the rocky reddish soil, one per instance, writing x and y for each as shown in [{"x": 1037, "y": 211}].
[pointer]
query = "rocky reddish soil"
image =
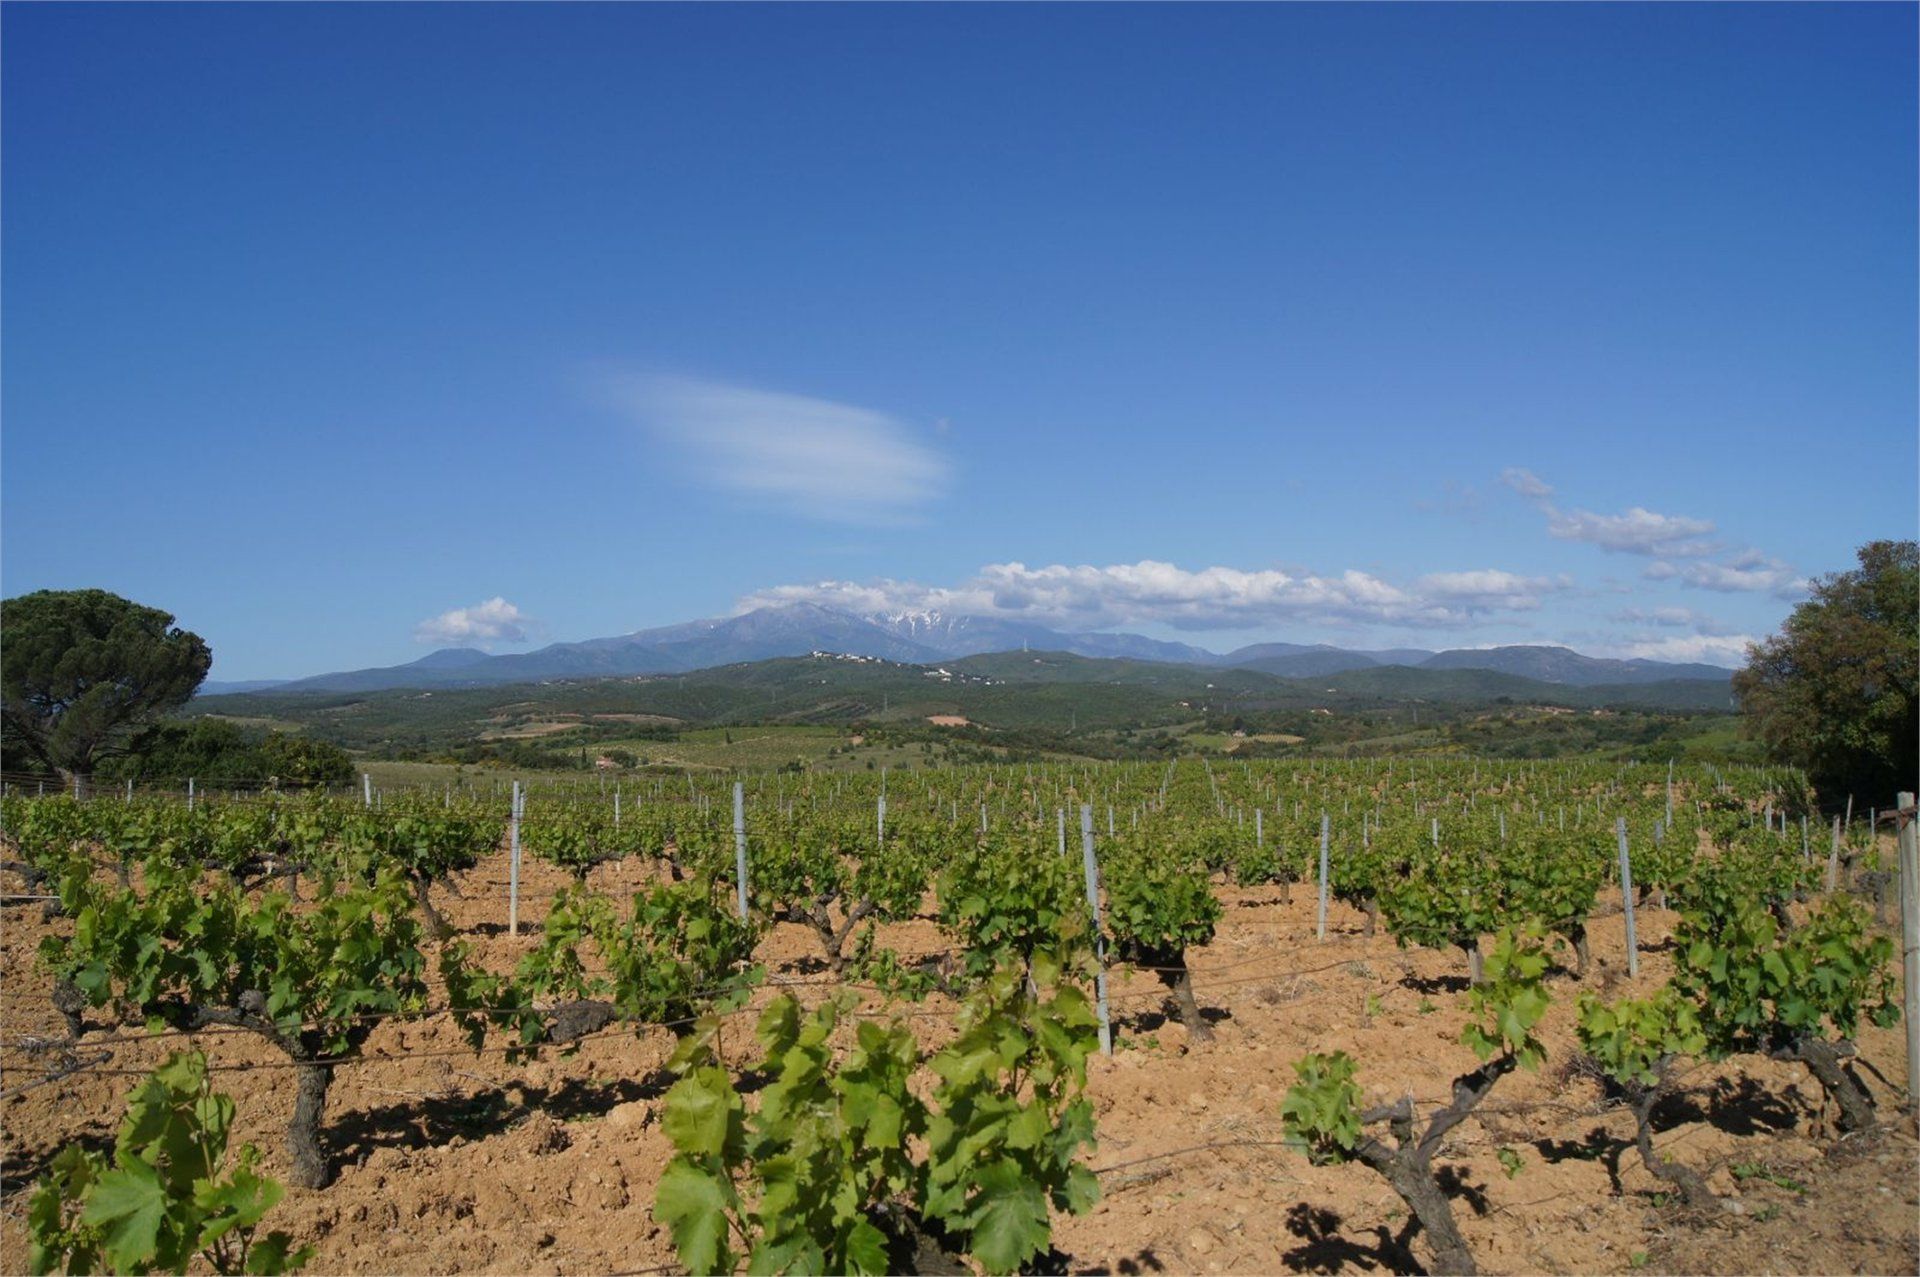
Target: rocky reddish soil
[{"x": 453, "y": 1161}]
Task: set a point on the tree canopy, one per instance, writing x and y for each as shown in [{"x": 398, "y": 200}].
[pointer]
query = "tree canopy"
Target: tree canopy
[
  {"x": 214, "y": 749},
  {"x": 1834, "y": 692},
  {"x": 83, "y": 671}
]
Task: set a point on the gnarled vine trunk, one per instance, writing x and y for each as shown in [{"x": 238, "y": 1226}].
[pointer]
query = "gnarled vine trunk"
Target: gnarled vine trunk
[
  {"x": 311, "y": 1168},
  {"x": 70, "y": 1003},
  {"x": 313, "y": 1074},
  {"x": 1408, "y": 1164},
  {"x": 1692, "y": 1187},
  {"x": 1412, "y": 1178},
  {"x": 436, "y": 925},
  {"x": 834, "y": 939},
  {"x": 1828, "y": 1066},
  {"x": 1171, "y": 967}
]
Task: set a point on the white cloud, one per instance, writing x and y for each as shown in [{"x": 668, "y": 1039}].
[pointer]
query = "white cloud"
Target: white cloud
[
  {"x": 495, "y": 621},
  {"x": 1712, "y": 649},
  {"x": 1638, "y": 531},
  {"x": 1492, "y": 588},
  {"x": 1747, "y": 572},
  {"x": 811, "y": 457},
  {"x": 1674, "y": 618},
  {"x": 1526, "y": 483},
  {"x": 1151, "y": 592}
]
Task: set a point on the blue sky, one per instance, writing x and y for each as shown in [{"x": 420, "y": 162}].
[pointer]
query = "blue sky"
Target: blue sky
[{"x": 345, "y": 332}]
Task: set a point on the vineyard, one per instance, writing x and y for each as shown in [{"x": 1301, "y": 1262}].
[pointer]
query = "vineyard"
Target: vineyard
[{"x": 1419, "y": 1014}]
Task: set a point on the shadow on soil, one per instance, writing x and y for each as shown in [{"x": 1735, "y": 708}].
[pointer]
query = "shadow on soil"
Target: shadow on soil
[
  {"x": 1741, "y": 1108},
  {"x": 1436, "y": 983},
  {"x": 1738, "y": 1108},
  {"x": 1151, "y": 1021},
  {"x": 1324, "y": 1248},
  {"x": 23, "y": 1168},
  {"x": 432, "y": 1122},
  {"x": 1143, "y": 1261},
  {"x": 1598, "y": 1146}
]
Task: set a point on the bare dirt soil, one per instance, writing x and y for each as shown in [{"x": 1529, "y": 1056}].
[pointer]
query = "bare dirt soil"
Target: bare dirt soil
[{"x": 452, "y": 1161}]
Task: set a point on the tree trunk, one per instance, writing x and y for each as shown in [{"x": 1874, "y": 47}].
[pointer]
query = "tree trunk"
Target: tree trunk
[
  {"x": 1582, "y": 950},
  {"x": 1782, "y": 913},
  {"x": 1181, "y": 980},
  {"x": 70, "y": 1003},
  {"x": 310, "y": 1166},
  {"x": 1412, "y": 1178},
  {"x": 436, "y": 925},
  {"x": 834, "y": 939},
  {"x": 823, "y": 928},
  {"x": 1476, "y": 961},
  {"x": 1371, "y": 907},
  {"x": 1408, "y": 1166},
  {"x": 1692, "y": 1187},
  {"x": 1824, "y": 1061}
]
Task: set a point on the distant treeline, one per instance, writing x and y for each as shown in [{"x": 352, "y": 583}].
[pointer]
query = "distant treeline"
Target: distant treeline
[{"x": 213, "y": 750}]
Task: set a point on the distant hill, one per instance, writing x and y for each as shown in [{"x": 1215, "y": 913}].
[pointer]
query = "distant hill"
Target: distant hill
[
  {"x": 1188, "y": 681},
  {"x": 793, "y": 629},
  {"x": 451, "y": 658},
  {"x": 954, "y": 636},
  {"x": 1308, "y": 663},
  {"x": 796, "y": 629},
  {"x": 1258, "y": 654},
  {"x": 1563, "y": 665},
  {"x": 216, "y": 687},
  {"x": 1482, "y": 686},
  {"x": 1002, "y": 691}
]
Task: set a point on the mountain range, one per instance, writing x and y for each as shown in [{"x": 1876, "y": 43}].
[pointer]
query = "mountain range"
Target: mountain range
[{"x": 921, "y": 638}]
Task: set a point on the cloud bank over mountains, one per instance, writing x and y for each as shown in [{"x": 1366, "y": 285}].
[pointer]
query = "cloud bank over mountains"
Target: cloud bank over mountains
[
  {"x": 797, "y": 450},
  {"x": 1151, "y": 592}
]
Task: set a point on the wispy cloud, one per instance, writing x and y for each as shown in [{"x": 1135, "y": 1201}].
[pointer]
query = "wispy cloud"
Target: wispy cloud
[
  {"x": 1680, "y": 544},
  {"x": 811, "y": 457},
  {"x": 1712, "y": 649},
  {"x": 1637, "y": 531},
  {"x": 1491, "y": 589},
  {"x": 1749, "y": 572},
  {"x": 1152, "y": 592},
  {"x": 494, "y": 621},
  {"x": 1674, "y": 618},
  {"x": 1526, "y": 483}
]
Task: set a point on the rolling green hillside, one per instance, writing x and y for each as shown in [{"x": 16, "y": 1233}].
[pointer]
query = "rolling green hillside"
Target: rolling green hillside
[{"x": 1029, "y": 695}]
